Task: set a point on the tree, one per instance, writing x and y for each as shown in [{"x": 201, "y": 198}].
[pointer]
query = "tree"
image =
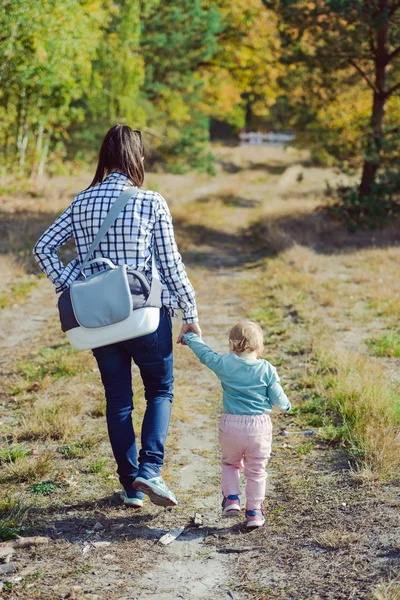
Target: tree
[
  {"x": 241, "y": 78},
  {"x": 177, "y": 38},
  {"x": 343, "y": 44},
  {"x": 46, "y": 52}
]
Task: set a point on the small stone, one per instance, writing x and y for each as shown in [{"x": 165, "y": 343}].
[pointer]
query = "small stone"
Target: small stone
[
  {"x": 197, "y": 519},
  {"x": 86, "y": 548},
  {"x": 101, "y": 544},
  {"x": 98, "y": 526},
  {"x": 8, "y": 568}
]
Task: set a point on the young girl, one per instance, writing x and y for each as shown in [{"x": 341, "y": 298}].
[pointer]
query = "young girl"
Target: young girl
[{"x": 251, "y": 387}]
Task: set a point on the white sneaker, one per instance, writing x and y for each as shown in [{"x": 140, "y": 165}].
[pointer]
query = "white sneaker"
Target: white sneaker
[
  {"x": 156, "y": 489},
  {"x": 135, "y": 502}
]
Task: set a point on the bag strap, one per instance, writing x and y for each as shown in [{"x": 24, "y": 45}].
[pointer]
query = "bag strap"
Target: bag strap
[{"x": 109, "y": 220}]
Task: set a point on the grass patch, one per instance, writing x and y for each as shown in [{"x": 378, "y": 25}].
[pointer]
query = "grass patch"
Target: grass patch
[
  {"x": 314, "y": 411},
  {"x": 386, "y": 345},
  {"x": 17, "y": 293},
  {"x": 12, "y": 515},
  {"x": 55, "y": 363},
  {"x": 335, "y": 539},
  {"x": 367, "y": 407},
  {"x": 27, "y": 469},
  {"x": 78, "y": 450},
  {"x": 10, "y": 454},
  {"x": 305, "y": 448},
  {"x": 387, "y": 591},
  {"x": 97, "y": 466},
  {"x": 51, "y": 422}
]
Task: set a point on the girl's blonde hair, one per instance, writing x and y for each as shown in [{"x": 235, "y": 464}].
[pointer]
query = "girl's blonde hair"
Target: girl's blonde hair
[{"x": 247, "y": 336}]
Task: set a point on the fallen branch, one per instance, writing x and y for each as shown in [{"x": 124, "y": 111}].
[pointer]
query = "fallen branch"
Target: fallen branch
[
  {"x": 29, "y": 541},
  {"x": 239, "y": 550}
]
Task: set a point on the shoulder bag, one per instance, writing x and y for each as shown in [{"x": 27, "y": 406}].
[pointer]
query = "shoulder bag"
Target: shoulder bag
[{"x": 114, "y": 304}]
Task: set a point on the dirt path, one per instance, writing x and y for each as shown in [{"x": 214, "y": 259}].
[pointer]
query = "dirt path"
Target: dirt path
[{"x": 326, "y": 536}]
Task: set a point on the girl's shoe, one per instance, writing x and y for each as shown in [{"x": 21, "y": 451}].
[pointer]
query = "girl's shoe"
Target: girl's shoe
[
  {"x": 230, "y": 506},
  {"x": 255, "y": 518},
  {"x": 130, "y": 501},
  {"x": 158, "y": 492}
]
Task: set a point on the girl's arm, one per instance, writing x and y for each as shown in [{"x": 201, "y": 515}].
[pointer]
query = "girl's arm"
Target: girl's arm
[
  {"x": 208, "y": 357},
  {"x": 276, "y": 395}
]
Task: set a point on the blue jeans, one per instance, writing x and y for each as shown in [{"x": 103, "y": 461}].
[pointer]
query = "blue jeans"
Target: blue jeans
[{"x": 153, "y": 355}]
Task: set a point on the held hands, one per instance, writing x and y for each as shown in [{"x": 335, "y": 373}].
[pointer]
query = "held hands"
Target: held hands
[{"x": 186, "y": 327}]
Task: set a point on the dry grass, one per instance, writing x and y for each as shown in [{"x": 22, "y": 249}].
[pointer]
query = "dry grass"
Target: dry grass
[
  {"x": 51, "y": 422},
  {"x": 387, "y": 591},
  {"x": 11, "y": 269},
  {"x": 298, "y": 318},
  {"x": 334, "y": 539},
  {"x": 358, "y": 390},
  {"x": 28, "y": 469}
]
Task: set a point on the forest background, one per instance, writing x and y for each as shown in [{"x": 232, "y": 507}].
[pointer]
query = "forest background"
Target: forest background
[{"x": 187, "y": 71}]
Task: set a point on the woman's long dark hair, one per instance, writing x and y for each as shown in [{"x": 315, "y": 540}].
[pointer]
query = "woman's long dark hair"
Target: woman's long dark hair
[{"x": 122, "y": 150}]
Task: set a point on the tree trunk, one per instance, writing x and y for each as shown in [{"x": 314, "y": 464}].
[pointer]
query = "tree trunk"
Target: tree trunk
[
  {"x": 38, "y": 151},
  {"x": 373, "y": 160},
  {"x": 43, "y": 158}
]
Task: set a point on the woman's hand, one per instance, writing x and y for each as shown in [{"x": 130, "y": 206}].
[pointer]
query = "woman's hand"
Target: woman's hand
[{"x": 186, "y": 327}]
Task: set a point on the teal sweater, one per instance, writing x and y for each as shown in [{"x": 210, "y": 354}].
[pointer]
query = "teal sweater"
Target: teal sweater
[{"x": 250, "y": 387}]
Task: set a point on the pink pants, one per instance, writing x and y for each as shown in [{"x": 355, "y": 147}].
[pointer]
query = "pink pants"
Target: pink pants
[{"x": 246, "y": 446}]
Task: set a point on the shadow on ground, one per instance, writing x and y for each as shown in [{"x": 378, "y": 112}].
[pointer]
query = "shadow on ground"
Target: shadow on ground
[
  {"x": 229, "y": 200},
  {"x": 319, "y": 231},
  {"x": 108, "y": 519},
  {"x": 271, "y": 167},
  {"x": 215, "y": 248}
]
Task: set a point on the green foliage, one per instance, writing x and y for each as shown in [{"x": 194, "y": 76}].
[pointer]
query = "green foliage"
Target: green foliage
[
  {"x": 97, "y": 466},
  {"x": 11, "y": 517},
  {"x": 46, "y": 61},
  {"x": 386, "y": 345},
  {"x": 16, "y": 293},
  {"x": 368, "y": 211},
  {"x": 51, "y": 362},
  {"x": 177, "y": 39},
  {"x": 305, "y": 448},
  {"x": 77, "y": 450},
  {"x": 71, "y": 68},
  {"x": 10, "y": 454},
  {"x": 43, "y": 488}
]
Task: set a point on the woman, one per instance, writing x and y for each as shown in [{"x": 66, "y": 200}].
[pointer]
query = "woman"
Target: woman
[{"x": 145, "y": 221}]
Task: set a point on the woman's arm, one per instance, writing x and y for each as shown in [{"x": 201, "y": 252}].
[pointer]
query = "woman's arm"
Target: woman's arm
[
  {"x": 172, "y": 266},
  {"x": 46, "y": 248}
]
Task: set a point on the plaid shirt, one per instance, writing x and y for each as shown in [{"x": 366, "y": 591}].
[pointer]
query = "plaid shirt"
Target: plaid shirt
[{"x": 144, "y": 221}]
